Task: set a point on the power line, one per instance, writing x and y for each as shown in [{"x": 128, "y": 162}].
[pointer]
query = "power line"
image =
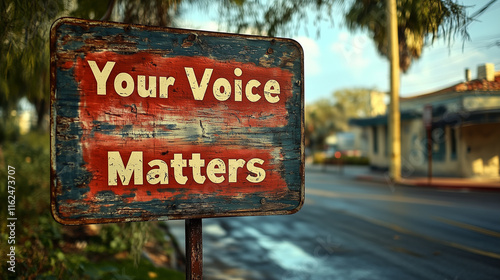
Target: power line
[
  {"x": 440, "y": 59},
  {"x": 483, "y": 9},
  {"x": 471, "y": 45},
  {"x": 439, "y": 77}
]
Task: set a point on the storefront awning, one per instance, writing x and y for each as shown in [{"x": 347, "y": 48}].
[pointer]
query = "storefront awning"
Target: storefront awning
[
  {"x": 468, "y": 118},
  {"x": 449, "y": 118},
  {"x": 382, "y": 120}
]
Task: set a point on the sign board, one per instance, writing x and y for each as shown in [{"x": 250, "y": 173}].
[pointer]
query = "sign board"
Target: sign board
[{"x": 151, "y": 123}]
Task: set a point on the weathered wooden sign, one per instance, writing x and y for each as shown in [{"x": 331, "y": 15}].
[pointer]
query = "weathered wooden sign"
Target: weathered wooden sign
[{"x": 154, "y": 123}]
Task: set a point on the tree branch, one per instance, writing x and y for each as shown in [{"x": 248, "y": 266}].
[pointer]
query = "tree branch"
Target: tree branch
[{"x": 111, "y": 6}]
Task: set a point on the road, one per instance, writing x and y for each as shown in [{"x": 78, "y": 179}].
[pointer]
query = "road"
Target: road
[{"x": 352, "y": 230}]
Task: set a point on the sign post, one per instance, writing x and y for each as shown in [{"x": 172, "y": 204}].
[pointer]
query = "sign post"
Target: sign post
[
  {"x": 151, "y": 123},
  {"x": 194, "y": 249}
]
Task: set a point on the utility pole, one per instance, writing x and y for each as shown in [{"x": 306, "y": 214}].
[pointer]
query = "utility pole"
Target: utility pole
[{"x": 394, "y": 113}]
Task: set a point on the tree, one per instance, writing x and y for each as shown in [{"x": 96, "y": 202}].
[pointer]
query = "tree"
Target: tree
[
  {"x": 272, "y": 18},
  {"x": 354, "y": 101},
  {"x": 151, "y": 12},
  {"x": 420, "y": 22},
  {"x": 328, "y": 116},
  {"x": 24, "y": 27},
  {"x": 321, "y": 120}
]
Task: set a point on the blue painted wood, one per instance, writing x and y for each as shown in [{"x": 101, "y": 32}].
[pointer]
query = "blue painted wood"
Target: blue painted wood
[{"x": 77, "y": 198}]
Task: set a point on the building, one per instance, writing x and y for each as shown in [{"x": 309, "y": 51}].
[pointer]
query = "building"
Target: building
[{"x": 465, "y": 130}]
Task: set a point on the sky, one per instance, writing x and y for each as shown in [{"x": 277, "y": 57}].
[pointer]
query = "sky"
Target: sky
[{"x": 340, "y": 59}]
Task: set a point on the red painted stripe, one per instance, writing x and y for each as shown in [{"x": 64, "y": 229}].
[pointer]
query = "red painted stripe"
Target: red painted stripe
[
  {"x": 144, "y": 113},
  {"x": 95, "y": 152},
  {"x": 180, "y": 99}
]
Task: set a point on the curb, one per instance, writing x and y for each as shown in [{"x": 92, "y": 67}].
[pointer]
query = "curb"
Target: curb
[{"x": 438, "y": 183}]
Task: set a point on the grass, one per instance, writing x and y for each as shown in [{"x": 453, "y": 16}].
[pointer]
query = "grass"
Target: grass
[{"x": 127, "y": 270}]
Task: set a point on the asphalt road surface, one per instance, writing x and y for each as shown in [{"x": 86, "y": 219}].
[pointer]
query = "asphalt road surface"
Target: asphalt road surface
[{"x": 352, "y": 230}]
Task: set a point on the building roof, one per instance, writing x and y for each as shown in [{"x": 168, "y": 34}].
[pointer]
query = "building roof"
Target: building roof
[
  {"x": 476, "y": 116},
  {"x": 473, "y": 85}
]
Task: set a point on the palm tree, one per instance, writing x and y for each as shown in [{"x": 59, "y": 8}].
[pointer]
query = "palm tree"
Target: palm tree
[{"x": 419, "y": 22}]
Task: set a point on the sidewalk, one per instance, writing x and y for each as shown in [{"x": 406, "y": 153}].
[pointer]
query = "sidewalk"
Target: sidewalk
[{"x": 363, "y": 173}]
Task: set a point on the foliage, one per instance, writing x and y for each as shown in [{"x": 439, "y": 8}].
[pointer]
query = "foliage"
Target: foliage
[
  {"x": 24, "y": 29},
  {"x": 90, "y": 9},
  {"x": 9, "y": 127},
  {"x": 279, "y": 17},
  {"x": 353, "y": 102},
  {"x": 419, "y": 21},
  {"x": 152, "y": 12},
  {"x": 47, "y": 250},
  {"x": 328, "y": 116},
  {"x": 321, "y": 119}
]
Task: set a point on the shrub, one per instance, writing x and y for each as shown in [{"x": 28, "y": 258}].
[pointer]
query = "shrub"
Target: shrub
[{"x": 48, "y": 250}]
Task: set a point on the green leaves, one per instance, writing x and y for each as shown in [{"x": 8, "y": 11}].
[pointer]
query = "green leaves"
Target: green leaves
[
  {"x": 420, "y": 22},
  {"x": 328, "y": 116},
  {"x": 24, "y": 36}
]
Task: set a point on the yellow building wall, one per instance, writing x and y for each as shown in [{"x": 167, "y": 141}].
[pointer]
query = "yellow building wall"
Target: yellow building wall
[
  {"x": 480, "y": 150},
  {"x": 379, "y": 157},
  {"x": 477, "y": 150},
  {"x": 471, "y": 103},
  {"x": 449, "y": 166}
]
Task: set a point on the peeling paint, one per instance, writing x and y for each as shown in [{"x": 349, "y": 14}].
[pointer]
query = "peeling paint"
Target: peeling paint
[{"x": 217, "y": 120}]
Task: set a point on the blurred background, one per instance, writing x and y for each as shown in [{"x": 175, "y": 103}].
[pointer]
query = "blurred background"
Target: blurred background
[{"x": 356, "y": 223}]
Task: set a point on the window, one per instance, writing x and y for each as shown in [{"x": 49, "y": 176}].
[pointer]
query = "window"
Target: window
[
  {"x": 453, "y": 144},
  {"x": 438, "y": 144}
]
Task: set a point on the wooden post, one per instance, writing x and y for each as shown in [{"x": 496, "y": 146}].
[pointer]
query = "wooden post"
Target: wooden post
[{"x": 194, "y": 249}]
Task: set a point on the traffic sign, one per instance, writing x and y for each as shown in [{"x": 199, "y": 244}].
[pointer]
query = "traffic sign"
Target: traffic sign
[{"x": 153, "y": 123}]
